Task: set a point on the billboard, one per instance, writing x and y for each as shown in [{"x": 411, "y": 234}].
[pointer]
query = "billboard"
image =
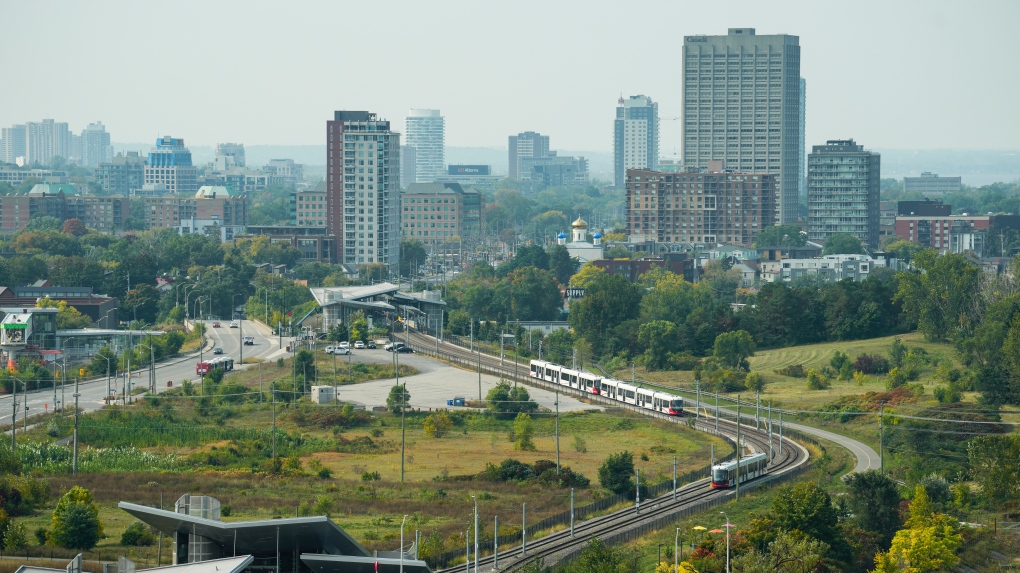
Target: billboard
[{"x": 468, "y": 169}]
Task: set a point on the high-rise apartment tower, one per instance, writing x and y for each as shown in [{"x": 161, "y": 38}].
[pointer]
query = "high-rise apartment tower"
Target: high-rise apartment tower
[
  {"x": 635, "y": 137},
  {"x": 526, "y": 144},
  {"x": 742, "y": 105},
  {"x": 363, "y": 187},
  {"x": 426, "y": 133},
  {"x": 843, "y": 192}
]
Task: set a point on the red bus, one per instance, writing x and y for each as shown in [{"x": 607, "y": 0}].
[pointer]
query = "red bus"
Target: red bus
[{"x": 203, "y": 368}]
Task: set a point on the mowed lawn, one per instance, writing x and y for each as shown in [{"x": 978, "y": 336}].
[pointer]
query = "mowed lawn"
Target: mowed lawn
[{"x": 793, "y": 392}]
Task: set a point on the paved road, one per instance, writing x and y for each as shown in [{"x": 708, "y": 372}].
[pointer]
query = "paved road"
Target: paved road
[
  {"x": 436, "y": 383},
  {"x": 867, "y": 458},
  {"x": 92, "y": 393}
]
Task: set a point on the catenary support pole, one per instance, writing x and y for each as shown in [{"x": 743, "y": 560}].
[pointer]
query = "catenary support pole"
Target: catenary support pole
[{"x": 738, "y": 447}]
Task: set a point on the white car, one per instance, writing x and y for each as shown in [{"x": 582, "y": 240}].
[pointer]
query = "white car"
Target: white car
[
  {"x": 359, "y": 344},
  {"x": 233, "y": 324},
  {"x": 330, "y": 349},
  {"x": 344, "y": 344},
  {"x": 341, "y": 350}
]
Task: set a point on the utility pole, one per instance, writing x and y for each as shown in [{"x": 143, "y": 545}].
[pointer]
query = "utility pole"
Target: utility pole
[
  {"x": 403, "y": 407},
  {"x": 479, "y": 357},
  {"x": 738, "y": 447},
  {"x": 881, "y": 437},
  {"x": 14, "y": 419},
  {"x": 274, "y": 422},
  {"x": 557, "y": 431},
  {"x": 495, "y": 545},
  {"x": 780, "y": 432},
  {"x": 697, "y": 405},
  {"x": 637, "y": 491},
  {"x": 770, "y": 431},
  {"x": 524, "y": 529},
  {"x": 674, "y": 478},
  {"x": 757, "y": 410},
  {"x": 74, "y": 464},
  {"x": 571, "y": 512},
  {"x": 716, "y": 411}
]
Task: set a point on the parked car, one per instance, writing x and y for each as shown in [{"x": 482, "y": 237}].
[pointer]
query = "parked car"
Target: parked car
[
  {"x": 345, "y": 344},
  {"x": 330, "y": 349},
  {"x": 342, "y": 350},
  {"x": 371, "y": 344},
  {"x": 389, "y": 347},
  {"x": 217, "y": 350},
  {"x": 359, "y": 344},
  {"x": 405, "y": 350}
]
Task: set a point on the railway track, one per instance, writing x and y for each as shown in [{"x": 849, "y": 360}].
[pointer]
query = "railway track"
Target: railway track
[{"x": 562, "y": 545}]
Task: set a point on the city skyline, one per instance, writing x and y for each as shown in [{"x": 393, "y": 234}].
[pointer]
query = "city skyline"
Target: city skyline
[{"x": 876, "y": 102}]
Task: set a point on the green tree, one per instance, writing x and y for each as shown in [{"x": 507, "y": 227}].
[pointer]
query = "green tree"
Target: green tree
[
  {"x": 617, "y": 471},
  {"x": 358, "y": 326},
  {"x": 412, "y": 255},
  {"x": 608, "y": 301},
  {"x": 732, "y": 349},
  {"x": 77, "y": 272},
  {"x": 76, "y": 522},
  {"x": 532, "y": 293},
  {"x": 506, "y": 400},
  {"x": 44, "y": 223},
  {"x": 874, "y": 500},
  {"x": 597, "y": 557},
  {"x": 137, "y": 534},
  {"x": 304, "y": 365},
  {"x": 781, "y": 236},
  {"x": 755, "y": 382},
  {"x": 586, "y": 275},
  {"x": 788, "y": 553},
  {"x": 842, "y": 244},
  {"x": 141, "y": 303},
  {"x": 67, "y": 315},
  {"x": 100, "y": 360},
  {"x": 940, "y": 298},
  {"x": 524, "y": 430},
  {"x": 995, "y": 466},
  {"x": 807, "y": 508},
  {"x": 929, "y": 542},
  {"x": 561, "y": 264},
  {"x": 659, "y": 337},
  {"x": 15, "y": 538},
  {"x": 398, "y": 398}
]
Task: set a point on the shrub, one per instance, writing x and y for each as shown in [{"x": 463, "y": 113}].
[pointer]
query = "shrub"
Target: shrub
[
  {"x": 137, "y": 534},
  {"x": 947, "y": 394},
  {"x": 76, "y": 522},
  {"x": 438, "y": 424},
  {"x": 524, "y": 429},
  {"x": 16, "y": 537},
  {"x": 683, "y": 361},
  {"x": 793, "y": 371},
  {"x": 897, "y": 352},
  {"x": 846, "y": 372},
  {"x": 580, "y": 445},
  {"x": 816, "y": 381},
  {"x": 370, "y": 476},
  {"x": 755, "y": 382},
  {"x": 838, "y": 360},
  {"x": 895, "y": 379},
  {"x": 871, "y": 364},
  {"x": 616, "y": 472},
  {"x": 325, "y": 473}
]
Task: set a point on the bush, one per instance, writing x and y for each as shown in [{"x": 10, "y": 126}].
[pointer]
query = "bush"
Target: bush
[
  {"x": 580, "y": 445},
  {"x": 816, "y": 381},
  {"x": 137, "y": 534},
  {"x": 897, "y": 352},
  {"x": 524, "y": 429},
  {"x": 838, "y": 360},
  {"x": 76, "y": 522},
  {"x": 438, "y": 424},
  {"x": 871, "y": 364},
  {"x": 683, "y": 361},
  {"x": 947, "y": 394},
  {"x": 793, "y": 371},
  {"x": 370, "y": 476},
  {"x": 41, "y": 535},
  {"x": 16, "y": 537},
  {"x": 755, "y": 382},
  {"x": 895, "y": 379},
  {"x": 616, "y": 472}
]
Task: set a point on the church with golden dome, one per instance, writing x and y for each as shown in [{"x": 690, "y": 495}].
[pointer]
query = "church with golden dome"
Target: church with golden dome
[{"x": 579, "y": 246}]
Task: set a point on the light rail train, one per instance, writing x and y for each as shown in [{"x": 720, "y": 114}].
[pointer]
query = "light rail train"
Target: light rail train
[
  {"x": 611, "y": 388},
  {"x": 725, "y": 474}
]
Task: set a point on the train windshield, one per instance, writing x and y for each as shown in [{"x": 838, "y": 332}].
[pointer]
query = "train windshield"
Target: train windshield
[
  {"x": 719, "y": 475},
  {"x": 676, "y": 404}
]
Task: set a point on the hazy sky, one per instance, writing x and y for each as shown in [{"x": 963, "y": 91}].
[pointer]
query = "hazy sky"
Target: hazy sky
[{"x": 891, "y": 74}]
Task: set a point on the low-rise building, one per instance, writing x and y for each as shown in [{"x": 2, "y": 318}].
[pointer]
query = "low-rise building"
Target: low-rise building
[
  {"x": 931, "y": 184},
  {"x": 829, "y": 268},
  {"x": 17, "y": 176},
  {"x": 679, "y": 264},
  {"x": 122, "y": 174},
  {"x": 100, "y": 308},
  {"x": 308, "y": 207},
  {"x": 937, "y": 231},
  {"x": 539, "y": 173},
  {"x": 62, "y": 201},
  {"x": 469, "y": 176},
  {"x": 435, "y": 213},
  {"x": 313, "y": 242},
  {"x": 209, "y": 204}
]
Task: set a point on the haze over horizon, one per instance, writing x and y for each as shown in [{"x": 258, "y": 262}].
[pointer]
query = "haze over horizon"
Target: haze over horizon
[{"x": 910, "y": 75}]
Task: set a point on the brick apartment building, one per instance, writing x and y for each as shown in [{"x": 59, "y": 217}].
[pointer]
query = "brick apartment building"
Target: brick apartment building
[
  {"x": 106, "y": 214},
  {"x": 932, "y": 224},
  {"x": 711, "y": 206},
  {"x": 210, "y": 203}
]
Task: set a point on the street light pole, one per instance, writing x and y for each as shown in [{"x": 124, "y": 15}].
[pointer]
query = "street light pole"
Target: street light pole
[{"x": 728, "y": 525}]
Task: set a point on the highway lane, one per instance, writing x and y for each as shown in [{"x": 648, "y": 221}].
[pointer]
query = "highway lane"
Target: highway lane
[{"x": 92, "y": 392}]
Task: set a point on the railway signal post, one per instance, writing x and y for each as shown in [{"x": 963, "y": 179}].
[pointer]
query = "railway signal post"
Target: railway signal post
[{"x": 674, "y": 478}]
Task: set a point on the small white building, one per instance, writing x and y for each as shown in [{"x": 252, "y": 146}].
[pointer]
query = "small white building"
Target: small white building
[
  {"x": 323, "y": 394},
  {"x": 579, "y": 247},
  {"x": 829, "y": 268}
]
